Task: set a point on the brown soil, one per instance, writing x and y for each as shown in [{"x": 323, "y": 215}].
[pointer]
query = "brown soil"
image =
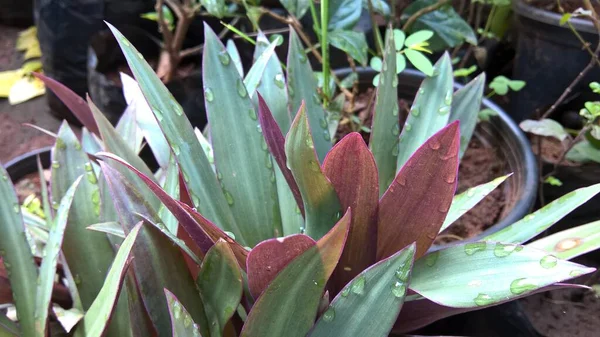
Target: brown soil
[
  {"x": 568, "y": 6},
  {"x": 30, "y": 184},
  {"x": 552, "y": 150},
  {"x": 566, "y": 312},
  {"x": 480, "y": 164}
]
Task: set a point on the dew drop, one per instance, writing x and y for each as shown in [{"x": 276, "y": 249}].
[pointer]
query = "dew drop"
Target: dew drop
[
  {"x": 125, "y": 42},
  {"x": 575, "y": 273},
  {"x": 421, "y": 91},
  {"x": 448, "y": 97},
  {"x": 297, "y": 210},
  {"x": 258, "y": 128},
  {"x": 186, "y": 178},
  {"x": 55, "y": 205},
  {"x": 140, "y": 56},
  {"x": 434, "y": 144},
  {"x": 415, "y": 111},
  {"x": 208, "y": 94},
  {"x": 252, "y": 114},
  {"x": 309, "y": 142},
  {"x": 444, "y": 110},
  {"x": 91, "y": 177},
  {"x": 395, "y": 110},
  {"x": 395, "y": 130},
  {"x": 407, "y": 127},
  {"x": 323, "y": 123},
  {"x": 483, "y": 299},
  {"x": 302, "y": 230},
  {"x": 548, "y": 261},
  {"x": 4, "y": 177},
  {"x": 302, "y": 57},
  {"x": 77, "y": 279},
  {"x": 77, "y": 146},
  {"x": 229, "y": 198},
  {"x": 326, "y": 135},
  {"x": 17, "y": 208},
  {"x": 522, "y": 285},
  {"x": 224, "y": 57},
  {"x": 241, "y": 88},
  {"x": 187, "y": 321},
  {"x": 470, "y": 192},
  {"x": 316, "y": 99},
  {"x": 268, "y": 162},
  {"x": 55, "y": 164},
  {"x": 502, "y": 250},
  {"x": 395, "y": 151},
  {"x": 176, "y": 310},
  {"x": 395, "y": 81},
  {"x": 87, "y": 167},
  {"x": 474, "y": 247},
  {"x": 263, "y": 145},
  {"x": 432, "y": 258},
  {"x": 176, "y": 149},
  {"x": 358, "y": 286},
  {"x": 279, "y": 81},
  {"x": 329, "y": 315},
  {"x": 346, "y": 292},
  {"x": 313, "y": 165},
  {"x": 398, "y": 289},
  {"x": 176, "y": 107},
  {"x": 290, "y": 90},
  {"x": 158, "y": 114},
  {"x": 450, "y": 179}
]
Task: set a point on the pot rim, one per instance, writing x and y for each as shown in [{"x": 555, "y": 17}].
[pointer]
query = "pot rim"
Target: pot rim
[
  {"x": 526, "y": 199},
  {"x": 550, "y": 18},
  {"x": 26, "y": 163}
]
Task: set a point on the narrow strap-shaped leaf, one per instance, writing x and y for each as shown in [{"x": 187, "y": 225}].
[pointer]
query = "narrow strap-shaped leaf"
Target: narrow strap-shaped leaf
[
  {"x": 90, "y": 142},
  {"x": 276, "y": 144},
  {"x": 465, "y": 201},
  {"x": 385, "y": 128},
  {"x": 220, "y": 284},
  {"x": 321, "y": 204},
  {"x": 182, "y": 323},
  {"x": 235, "y": 57},
  {"x": 88, "y": 254},
  {"x": 202, "y": 231},
  {"x": 420, "y": 313},
  {"x": 8, "y": 328},
  {"x": 44, "y": 191},
  {"x": 466, "y": 104},
  {"x": 572, "y": 242},
  {"x": 144, "y": 118},
  {"x": 244, "y": 165},
  {"x": 75, "y": 103},
  {"x": 158, "y": 262},
  {"x": 110, "y": 227},
  {"x": 206, "y": 147},
  {"x": 16, "y": 255},
  {"x": 371, "y": 302},
  {"x": 482, "y": 273},
  {"x": 129, "y": 130},
  {"x": 97, "y": 316},
  {"x": 298, "y": 288},
  {"x": 200, "y": 180},
  {"x": 269, "y": 257},
  {"x": 171, "y": 186},
  {"x": 415, "y": 205},
  {"x": 302, "y": 87},
  {"x": 351, "y": 168},
  {"x": 50, "y": 260},
  {"x": 273, "y": 86},
  {"x": 542, "y": 219},
  {"x": 430, "y": 110},
  {"x": 255, "y": 74}
]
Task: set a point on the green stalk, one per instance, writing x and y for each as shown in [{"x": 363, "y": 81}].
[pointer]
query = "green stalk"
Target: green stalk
[
  {"x": 325, "y": 48},
  {"x": 378, "y": 39},
  {"x": 313, "y": 13}
]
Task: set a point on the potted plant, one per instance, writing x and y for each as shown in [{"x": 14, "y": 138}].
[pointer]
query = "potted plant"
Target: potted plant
[{"x": 230, "y": 232}]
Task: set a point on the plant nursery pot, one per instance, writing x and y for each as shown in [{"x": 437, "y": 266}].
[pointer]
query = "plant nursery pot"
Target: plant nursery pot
[
  {"x": 16, "y": 12},
  {"x": 26, "y": 164},
  {"x": 549, "y": 57},
  {"x": 500, "y": 132}
]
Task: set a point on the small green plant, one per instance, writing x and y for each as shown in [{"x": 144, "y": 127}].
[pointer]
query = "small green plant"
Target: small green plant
[{"x": 337, "y": 233}]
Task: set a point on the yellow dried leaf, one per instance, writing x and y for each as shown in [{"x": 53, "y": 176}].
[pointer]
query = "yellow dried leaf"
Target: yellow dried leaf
[
  {"x": 25, "y": 89},
  {"x": 30, "y": 66},
  {"x": 33, "y": 51},
  {"x": 27, "y": 38},
  {"x": 7, "y": 80}
]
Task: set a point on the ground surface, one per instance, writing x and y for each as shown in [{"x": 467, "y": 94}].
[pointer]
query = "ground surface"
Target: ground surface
[{"x": 16, "y": 139}]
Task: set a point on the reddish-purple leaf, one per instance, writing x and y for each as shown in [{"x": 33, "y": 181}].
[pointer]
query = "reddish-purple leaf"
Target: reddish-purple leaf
[
  {"x": 332, "y": 244},
  {"x": 269, "y": 257},
  {"x": 276, "y": 143},
  {"x": 415, "y": 205},
  {"x": 76, "y": 104},
  {"x": 351, "y": 168},
  {"x": 202, "y": 231},
  {"x": 419, "y": 313}
]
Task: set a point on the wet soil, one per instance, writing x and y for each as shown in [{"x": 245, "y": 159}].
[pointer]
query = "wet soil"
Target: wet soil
[{"x": 480, "y": 164}]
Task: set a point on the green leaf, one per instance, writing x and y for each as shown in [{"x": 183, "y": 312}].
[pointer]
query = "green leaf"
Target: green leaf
[
  {"x": 482, "y": 273},
  {"x": 200, "y": 180},
  {"x": 540, "y": 220},
  {"x": 371, "y": 302},
  {"x": 385, "y": 127},
  {"x": 416, "y": 38},
  {"x": 351, "y": 42},
  {"x": 47, "y": 272},
  {"x": 349, "y": 80},
  {"x": 584, "y": 152},
  {"x": 128, "y": 129},
  {"x": 220, "y": 284},
  {"x": 564, "y": 18},
  {"x": 553, "y": 181},
  {"x": 8, "y": 328},
  {"x": 321, "y": 204},
  {"x": 171, "y": 186},
  {"x": 157, "y": 262},
  {"x": 216, "y": 8},
  {"x": 450, "y": 28},
  {"x": 515, "y": 85},
  {"x": 486, "y": 114},
  {"x": 298, "y": 288},
  {"x": 44, "y": 191},
  {"x": 430, "y": 110},
  {"x": 379, "y": 6},
  {"x": 90, "y": 142},
  {"x": 97, "y": 316},
  {"x": 110, "y": 227},
  {"x": 572, "y": 242},
  {"x": 302, "y": 86},
  {"x": 235, "y": 56},
  {"x": 296, "y": 7},
  {"x": 88, "y": 254},
  {"x": 182, "y": 323},
  {"x": 465, "y": 201},
  {"x": 400, "y": 63},
  {"x": 465, "y": 72},
  {"x": 256, "y": 72},
  {"x": 466, "y": 103},
  {"x": 376, "y": 63},
  {"x": 344, "y": 14},
  {"x": 399, "y": 38},
  {"x": 545, "y": 127},
  {"x": 243, "y": 162},
  {"x": 16, "y": 255},
  {"x": 501, "y": 84},
  {"x": 420, "y": 61}
]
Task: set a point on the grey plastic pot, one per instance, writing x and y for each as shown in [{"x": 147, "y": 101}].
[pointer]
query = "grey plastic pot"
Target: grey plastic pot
[{"x": 520, "y": 189}]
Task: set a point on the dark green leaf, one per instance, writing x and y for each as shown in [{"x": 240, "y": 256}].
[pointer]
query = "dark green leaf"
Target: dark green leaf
[
  {"x": 216, "y": 8},
  {"x": 296, "y": 7},
  {"x": 344, "y": 14},
  {"x": 351, "y": 42}
]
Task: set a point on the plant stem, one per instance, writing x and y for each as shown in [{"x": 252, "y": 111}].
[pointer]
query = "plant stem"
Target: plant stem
[
  {"x": 325, "y": 48},
  {"x": 313, "y": 14},
  {"x": 411, "y": 20},
  {"x": 375, "y": 28}
]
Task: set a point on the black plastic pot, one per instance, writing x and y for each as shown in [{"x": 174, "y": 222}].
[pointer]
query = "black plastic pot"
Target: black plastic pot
[
  {"x": 16, "y": 12},
  {"x": 18, "y": 167},
  {"x": 520, "y": 189},
  {"x": 549, "y": 57}
]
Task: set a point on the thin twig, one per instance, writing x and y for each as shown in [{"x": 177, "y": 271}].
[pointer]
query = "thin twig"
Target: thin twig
[
  {"x": 563, "y": 155},
  {"x": 198, "y": 49},
  {"x": 422, "y": 12}
]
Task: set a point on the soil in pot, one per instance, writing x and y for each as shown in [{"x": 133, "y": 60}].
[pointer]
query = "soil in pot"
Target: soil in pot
[
  {"x": 30, "y": 184},
  {"x": 481, "y": 163}
]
